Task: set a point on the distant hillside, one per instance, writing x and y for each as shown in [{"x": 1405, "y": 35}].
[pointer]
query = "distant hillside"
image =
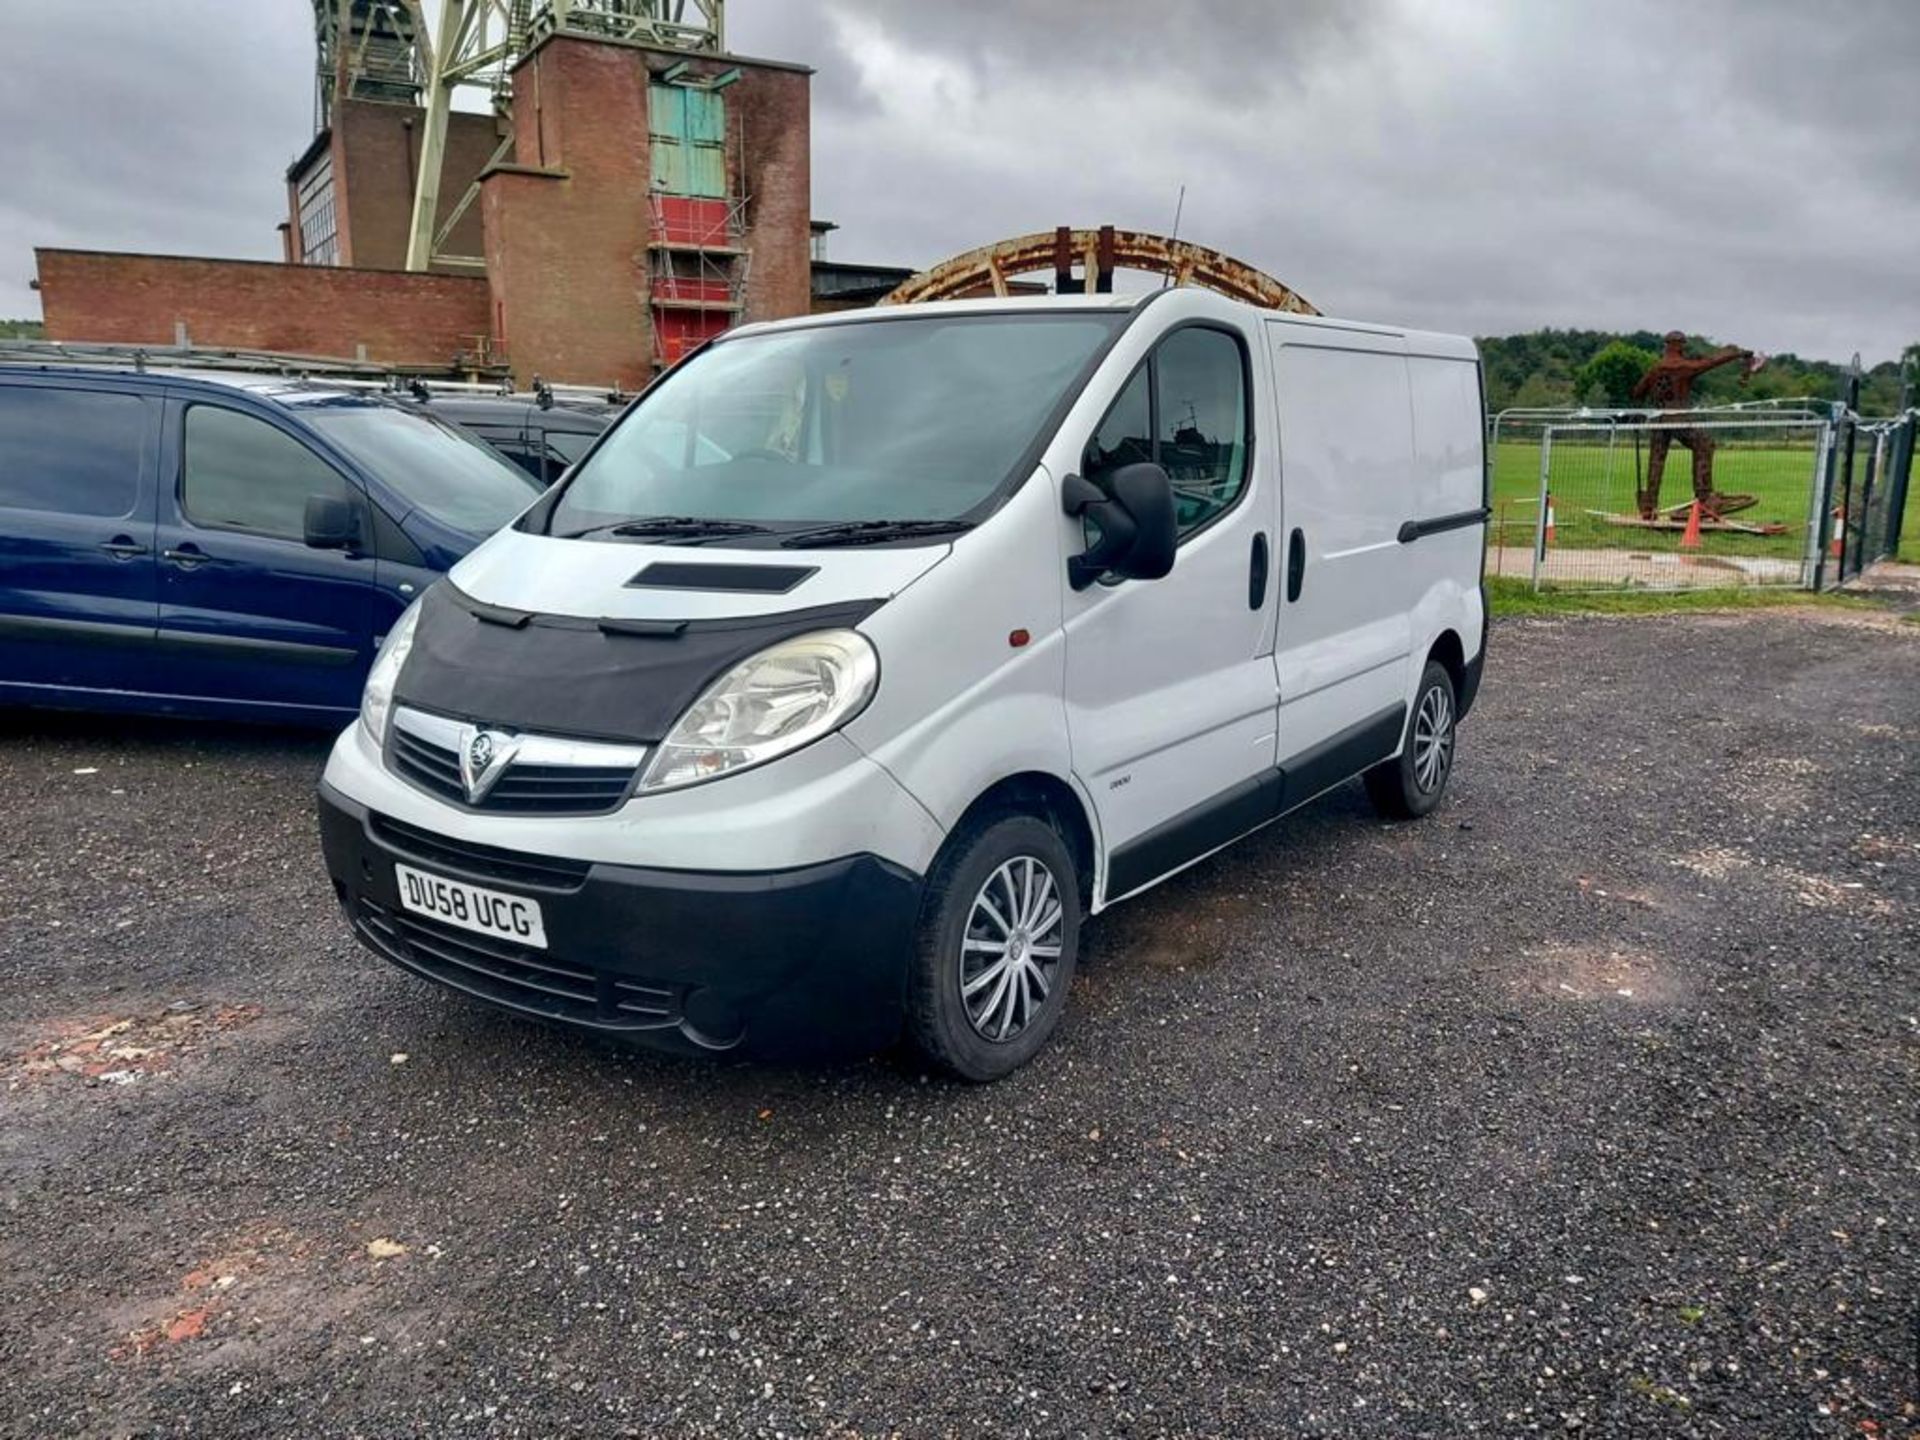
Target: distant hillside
[
  {"x": 22, "y": 330},
  {"x": 1554, "y": 367}
]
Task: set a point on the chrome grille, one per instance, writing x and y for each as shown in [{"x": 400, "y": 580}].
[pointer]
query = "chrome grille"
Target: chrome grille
[{"x": 543, "y": 775}]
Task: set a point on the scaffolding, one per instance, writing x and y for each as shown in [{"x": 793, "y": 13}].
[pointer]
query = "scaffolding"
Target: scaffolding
[
  {"x": 365, "y": 50},
  {"x": 386, "y": 50},
  {"x": 697, "y": 270}
]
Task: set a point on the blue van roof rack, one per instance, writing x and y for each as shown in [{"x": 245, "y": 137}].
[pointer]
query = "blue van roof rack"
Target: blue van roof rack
[
  {"x": 335, "y": 370},
  {"x": 120, "y": 356}
]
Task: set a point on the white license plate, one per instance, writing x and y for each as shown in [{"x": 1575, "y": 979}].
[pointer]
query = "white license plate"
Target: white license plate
[{"x": 489, "y": 912}]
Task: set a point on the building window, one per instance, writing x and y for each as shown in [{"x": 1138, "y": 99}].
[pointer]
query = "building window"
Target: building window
[{"x": 319, "y": 233}]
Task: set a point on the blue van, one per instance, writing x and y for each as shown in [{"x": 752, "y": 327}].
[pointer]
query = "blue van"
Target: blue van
[{"x": 222, "y": 545}]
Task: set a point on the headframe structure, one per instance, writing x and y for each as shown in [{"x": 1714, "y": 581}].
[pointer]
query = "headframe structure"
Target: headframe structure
[{"x": 994, "y": 269}]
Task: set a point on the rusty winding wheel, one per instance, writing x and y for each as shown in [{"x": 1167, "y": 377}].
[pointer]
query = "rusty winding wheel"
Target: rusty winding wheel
[{"x": 992, "y": 269}]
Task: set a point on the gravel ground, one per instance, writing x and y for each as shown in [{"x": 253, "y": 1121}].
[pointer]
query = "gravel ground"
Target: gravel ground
[{"x": 1587, "y": 1105}]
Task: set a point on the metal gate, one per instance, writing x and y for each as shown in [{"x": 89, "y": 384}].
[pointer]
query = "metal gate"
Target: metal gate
[
  {"x": 1869, "y": 470},
  {"x": 1804, "y": 494}
]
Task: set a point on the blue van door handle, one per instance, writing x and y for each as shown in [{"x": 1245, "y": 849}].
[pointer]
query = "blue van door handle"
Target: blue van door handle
[
  {"x": 123, "y": 547},
  {"x": 188, "y": 556}
]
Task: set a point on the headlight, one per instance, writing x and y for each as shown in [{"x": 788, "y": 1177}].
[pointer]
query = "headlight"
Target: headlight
[
  {"x": 787, "y": 696},
  {"x": 376, "y": 701}
]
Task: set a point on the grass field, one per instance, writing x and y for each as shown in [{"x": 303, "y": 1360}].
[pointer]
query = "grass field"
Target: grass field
[
  {"x": 1509, "y": 596},
  {"x": 1585, "y": 479}
]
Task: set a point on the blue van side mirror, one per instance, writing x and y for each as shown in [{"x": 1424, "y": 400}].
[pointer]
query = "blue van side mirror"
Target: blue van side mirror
[
  {"x": 1136, "y": 521},
  {"x": 332, "y": 523}
]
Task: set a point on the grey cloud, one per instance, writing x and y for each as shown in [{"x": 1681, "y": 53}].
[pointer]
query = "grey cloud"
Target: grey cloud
[
  {"x": 1739, "y": 167},
  {"x": 1736, "y": 167},
  {"x": 139, "y": 126}
]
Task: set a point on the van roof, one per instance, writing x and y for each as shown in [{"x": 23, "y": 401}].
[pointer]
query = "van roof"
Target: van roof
[
  {"x": 288, "y": 390},
  {"x": 1016, "y": 304}
]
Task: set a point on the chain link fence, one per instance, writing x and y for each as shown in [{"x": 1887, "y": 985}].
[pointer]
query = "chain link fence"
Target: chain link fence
[{"x": 1783, "y": 494}]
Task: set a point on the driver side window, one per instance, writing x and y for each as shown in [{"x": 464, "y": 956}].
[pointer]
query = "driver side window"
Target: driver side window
[
  {"x": 1125, "y": 436},
  {"x": 240, "y": 473},
  {"x": 1185, "y": 409}
]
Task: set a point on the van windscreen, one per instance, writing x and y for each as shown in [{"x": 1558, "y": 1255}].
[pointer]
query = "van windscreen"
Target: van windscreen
[
  {"x": 429, "y": 464},
  {"x": 911, "y": 418}
]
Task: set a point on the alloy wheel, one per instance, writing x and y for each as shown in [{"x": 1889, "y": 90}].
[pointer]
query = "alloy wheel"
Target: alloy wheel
[
  {"x": 1433, "y": 740},
  {"x": 1010, "y": 954}
]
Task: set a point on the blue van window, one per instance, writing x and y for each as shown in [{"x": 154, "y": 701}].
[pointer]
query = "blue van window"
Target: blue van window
[
  {"x": 72, "y": 451},
  {"x": 243, "y": 474}
]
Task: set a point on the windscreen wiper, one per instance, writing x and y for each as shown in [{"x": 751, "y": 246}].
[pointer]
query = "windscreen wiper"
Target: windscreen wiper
[
  {"x": 679, "y": 527},
  {"x": 871, "y": 532}
]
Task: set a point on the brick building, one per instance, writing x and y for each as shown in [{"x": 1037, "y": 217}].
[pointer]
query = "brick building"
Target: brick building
[{"x": 640, "y": 199}]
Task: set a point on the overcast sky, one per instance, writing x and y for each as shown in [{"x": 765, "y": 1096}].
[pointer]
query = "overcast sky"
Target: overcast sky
[{"x": 1741, "y": 168}]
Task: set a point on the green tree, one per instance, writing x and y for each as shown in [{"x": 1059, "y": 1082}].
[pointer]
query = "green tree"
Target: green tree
[
  {"x": 1609, "y": 377},
  {"x": 1536, "y": 392}
]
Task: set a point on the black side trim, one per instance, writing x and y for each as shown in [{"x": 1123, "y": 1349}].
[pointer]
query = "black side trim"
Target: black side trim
[
  {"x": 53, "y": 627},
  {"x": 244, "y": 647},
  {"x": 1192, "y": 833},
  {"x": 1340, "y": 757},
  {"x": 1474, "y": 668},
  {"x": 1414, "y": 529},
  {"x": 1252, "y": 803},
  {"x": 744, "y": 579}
]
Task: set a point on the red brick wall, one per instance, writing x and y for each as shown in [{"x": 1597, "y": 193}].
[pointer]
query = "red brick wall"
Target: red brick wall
[
  {"x": 566, "y": 235},
  {"x": 567, "y": 225},
  {"x": 401, "y": 319},
  {"x": 767, "y": 117},
  {"x": 376, "y": 152}
]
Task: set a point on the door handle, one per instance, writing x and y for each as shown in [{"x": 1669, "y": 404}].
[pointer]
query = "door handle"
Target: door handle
[
  {"x": 1257, "y": 573},
  {"x": 1296, "y": 563},
  {"x": 123, "y": 547},
  {"x": 188, "y": 556}
]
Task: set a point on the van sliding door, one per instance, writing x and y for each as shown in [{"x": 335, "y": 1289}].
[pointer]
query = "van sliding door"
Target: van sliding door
[{"x": 1347, "y": 485}]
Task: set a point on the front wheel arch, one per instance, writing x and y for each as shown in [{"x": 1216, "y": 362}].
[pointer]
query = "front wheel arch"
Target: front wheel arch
[{"x": 1049, "y": 798}]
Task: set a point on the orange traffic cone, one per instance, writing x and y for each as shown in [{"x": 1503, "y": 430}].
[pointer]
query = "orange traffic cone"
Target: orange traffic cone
[
  {"x": 1549, "y": 517},
  {"x": 1691, "y": 539},
  {"x": 1838, "y": 545}
]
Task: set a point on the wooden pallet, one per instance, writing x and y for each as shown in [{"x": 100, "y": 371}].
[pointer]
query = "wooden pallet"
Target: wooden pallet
[{"x": 1669, "y": 521}]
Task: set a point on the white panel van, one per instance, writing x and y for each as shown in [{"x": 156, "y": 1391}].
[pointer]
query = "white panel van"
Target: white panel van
[{"x": 867, "y": 655}]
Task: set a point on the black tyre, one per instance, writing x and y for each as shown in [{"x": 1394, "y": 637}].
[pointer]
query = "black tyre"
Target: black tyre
[
  {"x": 993, "y": 960},
  {"x": 1413, "y": 783}
]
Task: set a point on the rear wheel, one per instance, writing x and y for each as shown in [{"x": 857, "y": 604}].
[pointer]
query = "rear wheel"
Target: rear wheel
[
  {"x": 994, "y": 957},
  {"x": 1413, "y": 783}
]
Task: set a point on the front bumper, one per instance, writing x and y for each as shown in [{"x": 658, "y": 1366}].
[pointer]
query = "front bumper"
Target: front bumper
[{"x": 804, "y": 960}]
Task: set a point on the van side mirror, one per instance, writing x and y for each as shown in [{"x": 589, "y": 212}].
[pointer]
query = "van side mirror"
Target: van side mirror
[
  {"x": 332, "y": 523},
  {"x": 1135, "y": 516}
]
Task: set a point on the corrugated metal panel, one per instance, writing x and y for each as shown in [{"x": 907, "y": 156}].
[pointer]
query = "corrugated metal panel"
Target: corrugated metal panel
[
  {"x": 689, "y": 136},
  {"x": 669, "y": 166},
  {"x": 706, "y": 116},
  {"x": 707, "y": 171},
  {"x": 667, "y": 111}
]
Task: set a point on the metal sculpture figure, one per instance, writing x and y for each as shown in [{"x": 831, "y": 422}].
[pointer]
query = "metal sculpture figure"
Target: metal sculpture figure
[{"x": 1669, "y": 385}]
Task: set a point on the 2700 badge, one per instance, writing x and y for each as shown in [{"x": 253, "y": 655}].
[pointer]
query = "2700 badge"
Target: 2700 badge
[{"x": 507, "y": 917}]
